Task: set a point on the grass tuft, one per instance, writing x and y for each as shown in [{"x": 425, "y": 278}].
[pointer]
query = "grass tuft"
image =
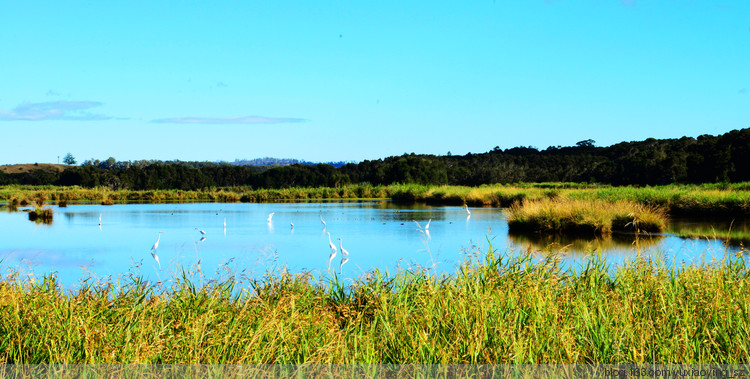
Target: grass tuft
[{"x": 594, "y": 217}]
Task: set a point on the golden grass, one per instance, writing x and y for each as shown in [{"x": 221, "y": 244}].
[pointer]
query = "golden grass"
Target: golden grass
[{"x": 585, "y": 216}]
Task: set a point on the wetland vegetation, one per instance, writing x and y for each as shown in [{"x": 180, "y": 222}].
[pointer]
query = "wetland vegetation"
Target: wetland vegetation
[
  {"x": 496, "y": 308},
  {"x": 592, "y": 217}
]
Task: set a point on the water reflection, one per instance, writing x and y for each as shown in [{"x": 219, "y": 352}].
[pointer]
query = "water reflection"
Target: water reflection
[
  {"x": 733, "y": 233},
  {"x": 583, "y": 245}
]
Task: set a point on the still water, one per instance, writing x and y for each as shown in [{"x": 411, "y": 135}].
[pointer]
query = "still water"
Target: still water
[{"x": 377, "y": 234}]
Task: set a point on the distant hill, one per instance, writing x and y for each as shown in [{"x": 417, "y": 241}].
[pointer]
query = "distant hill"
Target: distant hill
[
  {"x": 27, "y": 167},
  {"x": 268, "y": 161}
]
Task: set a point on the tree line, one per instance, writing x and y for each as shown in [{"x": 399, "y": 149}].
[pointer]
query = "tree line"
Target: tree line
[{"x": 706, "y": 159}]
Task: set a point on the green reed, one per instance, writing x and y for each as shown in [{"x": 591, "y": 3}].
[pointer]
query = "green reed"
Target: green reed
[
  {"x": 496, "y": 308},
  {"x": 108, "y": 196}
]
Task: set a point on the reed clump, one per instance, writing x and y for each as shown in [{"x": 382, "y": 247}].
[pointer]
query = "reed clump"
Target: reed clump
[
  {"x": 496, "y": 308},
  {"x": 594, "y": 217},
  {"x": 40, "y": 213}
]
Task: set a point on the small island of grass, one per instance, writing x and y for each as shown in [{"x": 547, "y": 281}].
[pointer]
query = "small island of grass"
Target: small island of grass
[{"x": 596, "y": 217}]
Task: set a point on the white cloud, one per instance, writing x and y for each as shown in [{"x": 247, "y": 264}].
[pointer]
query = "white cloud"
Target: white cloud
[{"x": 53, "y": 110}]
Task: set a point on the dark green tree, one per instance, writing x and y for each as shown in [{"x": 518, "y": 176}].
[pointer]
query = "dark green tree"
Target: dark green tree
[{"x": 69, "y": 159}]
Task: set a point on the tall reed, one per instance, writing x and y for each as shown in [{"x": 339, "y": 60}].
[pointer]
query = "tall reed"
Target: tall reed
[{"x": 496, "y": 308}]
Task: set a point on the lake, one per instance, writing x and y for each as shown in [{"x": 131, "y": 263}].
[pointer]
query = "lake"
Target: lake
[{"x": 377, "y": 234}]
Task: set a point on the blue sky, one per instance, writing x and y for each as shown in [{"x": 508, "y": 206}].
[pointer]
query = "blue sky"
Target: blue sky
[{"x": 335, "y": 80}]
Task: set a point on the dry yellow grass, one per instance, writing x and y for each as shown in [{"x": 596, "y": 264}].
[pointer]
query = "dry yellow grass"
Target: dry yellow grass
[
  {"x": 585, "y": 216},
  {"x": 23, "y": 168}
]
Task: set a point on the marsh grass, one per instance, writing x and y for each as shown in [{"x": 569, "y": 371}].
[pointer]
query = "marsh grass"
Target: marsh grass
[
  {"x": 678, "y": 200},
  {"x": 107, "y": 196},
  {"x": 40, "y": 214},
  {"x": 486, "y": 195},
  {"x": 496, "y": 308},
  {"x": 593, "y": 217}
]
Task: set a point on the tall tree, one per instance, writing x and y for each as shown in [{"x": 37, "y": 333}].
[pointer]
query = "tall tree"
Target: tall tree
[{"x": 69, "y": 159}]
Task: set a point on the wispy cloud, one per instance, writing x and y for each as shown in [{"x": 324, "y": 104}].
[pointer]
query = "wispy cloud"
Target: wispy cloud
[
  {"x": 53, "y": 110},
  {"x": 229, "y": 120}
]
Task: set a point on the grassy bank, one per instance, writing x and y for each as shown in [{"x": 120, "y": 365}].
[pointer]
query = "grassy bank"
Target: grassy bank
[
  {"x": 21, "y": 194},
  {"x": 677, "y": 200},
  {"x": 500, "y": 310},
  {"x": 592, "y": 217}
]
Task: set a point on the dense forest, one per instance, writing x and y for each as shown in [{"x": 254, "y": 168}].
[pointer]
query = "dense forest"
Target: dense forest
[{"x": 724, "y": 158}]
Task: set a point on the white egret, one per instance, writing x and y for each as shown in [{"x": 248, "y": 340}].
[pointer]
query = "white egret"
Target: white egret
[
  {"x": 270, "y": 216},
  {"x": 156, "y": 244},
  {"x": 323, "y": 222},
  {"x": 467, "y": 210},
  {"x": 292, "y": 224},
  {"x": 341, "y": 245},
  {"x": 330, "y": 244},
  {"x": 341, "y": 266},
  {"x": 225, "y": 222},
  {"x": 202, "y": 231},
  {"x": 100, "y": 219},
  {"x": 427, "y": 227}
]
